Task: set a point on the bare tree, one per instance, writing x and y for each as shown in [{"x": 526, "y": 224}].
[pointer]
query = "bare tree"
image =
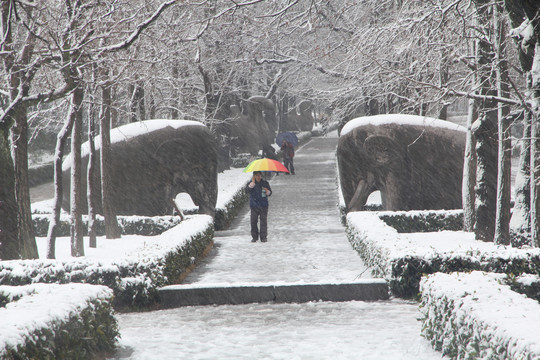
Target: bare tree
[
  {"x": 502, "y": 220},
  {"x": 524, "y": 17}
]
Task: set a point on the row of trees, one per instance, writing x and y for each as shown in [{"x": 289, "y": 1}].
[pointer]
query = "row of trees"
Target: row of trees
[{"x": 74, "y": 64}]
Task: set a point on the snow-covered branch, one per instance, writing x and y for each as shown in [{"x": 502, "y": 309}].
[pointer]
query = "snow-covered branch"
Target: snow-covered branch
[{"x": 135, "y": 34}]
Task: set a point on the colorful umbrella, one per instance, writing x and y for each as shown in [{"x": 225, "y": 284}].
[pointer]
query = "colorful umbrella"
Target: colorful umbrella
[{"x": 265, "y": 165}]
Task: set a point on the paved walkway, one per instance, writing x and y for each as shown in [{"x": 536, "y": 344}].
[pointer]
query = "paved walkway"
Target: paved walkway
[{"x": 306, "y": 240}]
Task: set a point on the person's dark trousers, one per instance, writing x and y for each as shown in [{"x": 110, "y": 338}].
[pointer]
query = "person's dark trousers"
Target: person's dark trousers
[
  {"x": 256, "y": 213},
  {"x": 289, "y": 165}
]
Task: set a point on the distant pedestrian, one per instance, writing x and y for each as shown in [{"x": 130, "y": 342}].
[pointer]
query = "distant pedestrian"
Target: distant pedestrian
[
  {"x": 259, "y": 191},
  {"x": 287, "y": 149},
  {"x": 269, "y": 152}
]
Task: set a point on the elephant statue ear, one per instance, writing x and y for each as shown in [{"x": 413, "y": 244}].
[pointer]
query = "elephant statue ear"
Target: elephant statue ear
[{"x": 381, "y": 149}]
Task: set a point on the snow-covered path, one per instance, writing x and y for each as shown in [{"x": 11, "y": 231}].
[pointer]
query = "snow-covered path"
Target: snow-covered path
[
  {"x": 385, "y": 330},
  {"x": 306, "y": 240},
  {"x": 306, "y": 244}
]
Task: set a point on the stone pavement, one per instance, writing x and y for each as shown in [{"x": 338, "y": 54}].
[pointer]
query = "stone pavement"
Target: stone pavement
[{"x": 307, "y": 244}]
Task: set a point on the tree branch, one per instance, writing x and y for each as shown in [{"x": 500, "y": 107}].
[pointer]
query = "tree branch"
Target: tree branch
[{"x": 135, "y": 34}]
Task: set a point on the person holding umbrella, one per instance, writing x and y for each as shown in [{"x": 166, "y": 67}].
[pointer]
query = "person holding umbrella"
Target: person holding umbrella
[
  {"x": 287, "y": 149},
  {"x": 259, "y": 191}
]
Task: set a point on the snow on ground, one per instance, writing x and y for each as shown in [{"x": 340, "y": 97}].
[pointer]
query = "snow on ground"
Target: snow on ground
[
  {"x": 306, "y": 240},
  {"x": 350, "y": 330},
  {"x": 506, "y": 323},
  {"x": 130, "y": 246},
  {"x": 306, "y": 244},
  {"x": 317, "y": 330},
  {"x": 34, "y": 311}
]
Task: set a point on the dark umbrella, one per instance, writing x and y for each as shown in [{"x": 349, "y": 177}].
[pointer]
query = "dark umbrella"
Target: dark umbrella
[{"x": 289, "y": 136}]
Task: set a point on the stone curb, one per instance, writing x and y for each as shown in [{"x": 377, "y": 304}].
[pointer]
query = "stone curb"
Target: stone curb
[{"x": 185, "y": 295}]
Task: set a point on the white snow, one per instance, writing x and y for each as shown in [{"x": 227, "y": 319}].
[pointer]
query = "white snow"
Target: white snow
[
  {"x": 131, "y": 130},
  {"x": 130, "y": 247},
  {"x": 401, "y": 119},
  {"x": 318, "y": 330},
  {"x": 351, "y": 330},
  {"x": 499, "y": 314},
  {"x": 34, "y": 311}
]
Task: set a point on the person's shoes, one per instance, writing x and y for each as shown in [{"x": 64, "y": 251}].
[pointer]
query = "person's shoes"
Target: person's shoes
[
  {"x": 253, "y": 240},
  {"x": 263, "y": 240}
]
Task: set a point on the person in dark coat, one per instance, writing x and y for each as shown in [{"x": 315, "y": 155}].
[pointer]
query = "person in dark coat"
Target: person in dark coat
[
  {"x": 259, "y": 191},
  {"x": 287, "y": 149}
]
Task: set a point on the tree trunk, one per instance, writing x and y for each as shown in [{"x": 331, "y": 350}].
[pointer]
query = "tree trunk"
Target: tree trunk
[
  {"x": 175, "y": 93},
  {"x": 486, "y": 177},
  {"x": 137, "y": 107},
  {"x": 61, "y": 141},
  {"x": 140, "y": 100},
  {"x": 77, "y": 236},
  {"x": 535, "y": 144},
  {"x": 91, "y": 178},
  {"x": 443, "y": 83},
  {"x": 520, "y": 223},
  {"x": 469, "y": 171},
  {"x": 9, "y": 242},
  {"x": 152, "y": 111},
  {"x": 485, "y": 131},
  {"x": 535, "y": 176},
  {"x": 523, "y": 216},
  {"x": 19, "y": 152},
  {"x": 132, "y": 103},
  {"x": 504, "y": 179},
  {"x": 112, "y": 230}
]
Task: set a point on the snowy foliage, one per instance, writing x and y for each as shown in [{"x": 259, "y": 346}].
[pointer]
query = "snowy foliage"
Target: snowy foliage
[
  {"x": 402, "y": 258},
  {"x": 140, "y": 225},
  {"x": 134, "y": 277},
  {"x": 423, "y": 221},
  {"x": 232, "y": 196},
  {"x": 476, "y": 316},
  {"x": 79, "y": 323}
]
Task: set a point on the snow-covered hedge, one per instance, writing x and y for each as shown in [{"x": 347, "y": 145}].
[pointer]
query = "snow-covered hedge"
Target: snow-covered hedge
[
  {"x": 477, "y": 316},
  {"x": 135, "y": 278},
  {"x": 423, "y": 221},
  {"x": 227, "y": 211},
  {"x": 403, "y": 258},
  {"x": 140, "y": 225},
  {"x": 43, "y": 321}
]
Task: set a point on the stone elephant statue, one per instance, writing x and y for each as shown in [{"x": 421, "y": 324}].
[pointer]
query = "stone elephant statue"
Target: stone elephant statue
[
  {"x": 300, "y": 118},
  {"x": 252, "y": 128},
  {"x": 152, "y": 162},
  {"x": 415, "y": 162}
]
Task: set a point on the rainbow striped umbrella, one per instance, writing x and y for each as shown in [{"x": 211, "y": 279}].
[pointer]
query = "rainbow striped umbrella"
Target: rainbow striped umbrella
[{"x": 265, "y": 165}]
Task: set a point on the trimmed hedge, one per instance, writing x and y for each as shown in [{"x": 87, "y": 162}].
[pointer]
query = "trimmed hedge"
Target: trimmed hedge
[
  {"x": 477, "y": 316},
  {"x": 423, "y": 221},
  {"x": 74, "y": 321},
  {"x": 380, "y": 247},
  {"x": 224, "y": 217},
  {"x": 140, "y": 225},
  {"x": 134, "y": 280}
]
